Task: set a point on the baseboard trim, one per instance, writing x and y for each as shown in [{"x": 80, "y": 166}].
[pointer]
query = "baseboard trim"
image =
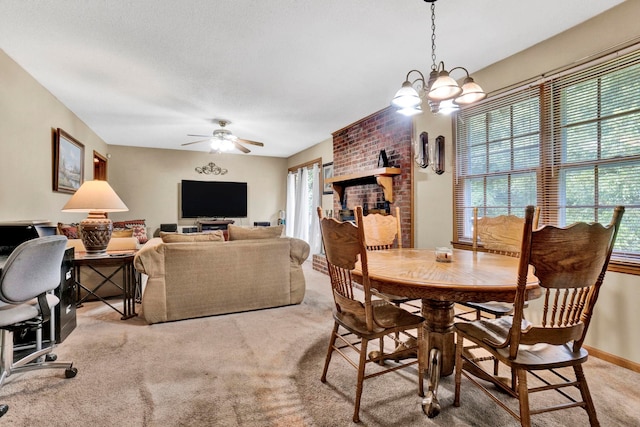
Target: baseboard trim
[{"x": 611, "y": 358}]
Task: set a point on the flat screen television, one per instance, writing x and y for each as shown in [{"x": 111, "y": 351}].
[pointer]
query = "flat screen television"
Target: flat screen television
[{"x": 213, "y": 199}]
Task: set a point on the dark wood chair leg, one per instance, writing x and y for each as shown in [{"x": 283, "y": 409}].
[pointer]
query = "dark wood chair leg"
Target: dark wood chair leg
[{"x": 332, "y": 342}]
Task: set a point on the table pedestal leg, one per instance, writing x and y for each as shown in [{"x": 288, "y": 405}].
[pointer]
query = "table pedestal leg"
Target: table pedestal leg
[
  {"x": 430, "y": 403},
  {"x": 440, "y": 345}
]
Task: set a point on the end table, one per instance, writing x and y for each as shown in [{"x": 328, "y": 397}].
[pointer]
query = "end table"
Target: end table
[{"x": 123, "y": 260}]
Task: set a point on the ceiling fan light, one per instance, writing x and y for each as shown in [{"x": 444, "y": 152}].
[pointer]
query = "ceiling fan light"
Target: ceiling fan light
[
  {"x": 406, "y": 97},
  {"x": 445, "y": 87},
  {"x": 471, "y": 92},
  {"x": 226, "y": 145}
]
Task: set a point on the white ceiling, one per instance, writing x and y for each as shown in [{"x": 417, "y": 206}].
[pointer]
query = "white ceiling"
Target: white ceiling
[{"x": 285, "y": 72}]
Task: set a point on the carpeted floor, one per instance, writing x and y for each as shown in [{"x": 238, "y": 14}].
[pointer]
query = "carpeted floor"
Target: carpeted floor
[{"x": 258, "y": 368}]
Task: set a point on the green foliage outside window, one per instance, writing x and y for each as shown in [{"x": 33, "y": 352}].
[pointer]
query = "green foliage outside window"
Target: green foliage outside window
[{"x": 570, "y": 146}]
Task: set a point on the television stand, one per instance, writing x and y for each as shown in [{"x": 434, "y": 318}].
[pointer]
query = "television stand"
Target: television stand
[{"x": 214, "y": 224}]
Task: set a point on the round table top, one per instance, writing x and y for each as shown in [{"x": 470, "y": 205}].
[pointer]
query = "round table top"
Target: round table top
[{"x": 471, "y": 276}]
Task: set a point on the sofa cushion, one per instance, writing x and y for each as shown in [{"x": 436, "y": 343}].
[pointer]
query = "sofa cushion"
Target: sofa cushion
[
  {"x": 214, "y": 236},
  {"x": 251, "y": 233}
]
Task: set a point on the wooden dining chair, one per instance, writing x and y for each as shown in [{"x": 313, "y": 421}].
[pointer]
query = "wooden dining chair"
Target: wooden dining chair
[
  {"x": 501, "y": 235},
  {"x": 363, "y": 318},
  {"x": 382, "y": 231},
  {"x": 570, "y": 264},
  {"x": 385, "y": 232}
]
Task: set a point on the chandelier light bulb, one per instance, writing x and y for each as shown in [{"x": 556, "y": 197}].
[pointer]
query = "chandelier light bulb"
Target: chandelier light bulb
[
  {"x": 448, "y": 107},
  {"x": 410, "y": 111}
]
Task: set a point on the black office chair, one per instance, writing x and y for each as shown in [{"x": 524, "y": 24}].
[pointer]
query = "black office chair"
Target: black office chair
[{"x": 29, "y": 274}]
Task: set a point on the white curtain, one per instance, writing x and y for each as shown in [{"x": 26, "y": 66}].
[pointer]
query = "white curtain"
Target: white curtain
[
  {"x": 314, "y": 230},
  {"x": 303, "y": 196},
  {"x": 301, "y": 218},
  {"x": 291, "y": 204}
]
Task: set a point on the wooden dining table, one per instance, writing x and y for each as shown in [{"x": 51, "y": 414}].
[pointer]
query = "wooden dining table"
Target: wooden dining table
[{"x": 470, "y": 276}]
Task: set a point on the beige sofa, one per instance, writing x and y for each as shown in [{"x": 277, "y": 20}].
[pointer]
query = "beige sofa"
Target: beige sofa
[{"x": 204, "y": 278}]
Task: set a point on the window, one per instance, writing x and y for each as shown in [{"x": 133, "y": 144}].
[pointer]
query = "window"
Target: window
[{"x": 570, "y": 145}]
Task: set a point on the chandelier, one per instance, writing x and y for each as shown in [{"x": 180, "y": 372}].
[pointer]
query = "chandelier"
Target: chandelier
[{"x": 442, "y": 92}]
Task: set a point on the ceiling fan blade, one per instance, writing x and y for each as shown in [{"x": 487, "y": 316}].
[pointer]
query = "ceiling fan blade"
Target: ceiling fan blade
[
  {"x": 202, "y": 136},
  {"x": 241, "y": 147},
  {"x": 195, "y": 142},
  {"x": 246, "y": 141}
]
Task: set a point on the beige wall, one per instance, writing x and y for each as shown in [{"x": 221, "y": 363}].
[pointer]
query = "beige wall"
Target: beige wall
[
  {"x": 28, "y": 116},
  {"x": 148, "y": 181}
]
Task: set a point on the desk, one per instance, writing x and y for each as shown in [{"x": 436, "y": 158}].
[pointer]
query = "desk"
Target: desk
[
  {"x": 121, "y": 259},
  {"x": 472, "y": 276}
]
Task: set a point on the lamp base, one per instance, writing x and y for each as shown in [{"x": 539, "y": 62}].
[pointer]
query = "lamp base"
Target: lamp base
[{"x": 96, "y": 234}]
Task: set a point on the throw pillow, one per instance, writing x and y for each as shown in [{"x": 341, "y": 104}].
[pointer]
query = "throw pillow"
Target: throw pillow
[
  {"x": 138, "y": 226},
  {"x": 247, "y": 233},
  {"x": 122, "y": 232},
  {"x": 72, "y": 231},
  {"x": 214, "y": 236}
]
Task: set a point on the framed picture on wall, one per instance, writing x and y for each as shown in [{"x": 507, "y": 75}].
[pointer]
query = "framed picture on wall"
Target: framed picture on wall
[
  {"x": 68, "y": 162},
  {"x": 327, "y": 172}
]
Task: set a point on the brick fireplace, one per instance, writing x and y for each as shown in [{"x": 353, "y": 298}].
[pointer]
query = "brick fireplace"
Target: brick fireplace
[{"x": 356, "y": 149}]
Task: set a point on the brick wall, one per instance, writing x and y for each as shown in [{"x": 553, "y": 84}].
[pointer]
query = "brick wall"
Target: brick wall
[
  {"x": 320, "y": 263},
  {"x": 357, "y": 147}
]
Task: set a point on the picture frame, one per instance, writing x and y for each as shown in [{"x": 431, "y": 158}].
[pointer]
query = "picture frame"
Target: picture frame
[
  {"x": 68, "y": 162},
  {"x": 327, "y": 172}
]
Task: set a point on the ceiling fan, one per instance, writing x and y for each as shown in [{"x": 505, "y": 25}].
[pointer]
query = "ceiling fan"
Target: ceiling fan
[{"x": 223, "y": 140}]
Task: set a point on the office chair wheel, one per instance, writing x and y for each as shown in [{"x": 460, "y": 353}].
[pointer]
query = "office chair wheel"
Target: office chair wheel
[
  {"x": 3, "y": 409},
  {"x": 51, "y": 357},
  {"x": 70, "y": 372}
]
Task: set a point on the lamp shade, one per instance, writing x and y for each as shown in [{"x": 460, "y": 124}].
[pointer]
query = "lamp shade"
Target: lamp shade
[
  {"x": 406, "y": 97},
  {"x": 95, "y": 195},
  {"x": 445, "y": 87},
  {"x": 471, "y": 92}
]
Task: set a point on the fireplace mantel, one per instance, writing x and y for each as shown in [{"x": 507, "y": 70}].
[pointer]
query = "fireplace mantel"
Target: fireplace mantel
[{"x": 382, "y": 176}]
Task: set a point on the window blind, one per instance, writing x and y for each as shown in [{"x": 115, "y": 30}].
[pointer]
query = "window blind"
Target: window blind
[{"x": 570, "y": 145}]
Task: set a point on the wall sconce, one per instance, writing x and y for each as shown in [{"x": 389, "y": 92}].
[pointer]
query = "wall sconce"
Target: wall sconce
[
  {"x": 211, "y": 169},
  {"x": 430, "y": 154}
]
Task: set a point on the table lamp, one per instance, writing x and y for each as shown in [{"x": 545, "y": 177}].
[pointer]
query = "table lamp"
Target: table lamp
[{"x": 96, "y": 197}]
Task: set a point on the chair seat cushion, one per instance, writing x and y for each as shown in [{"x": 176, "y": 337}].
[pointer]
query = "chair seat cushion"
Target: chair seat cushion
[
  {"x": 11, "y": 314},
  {"x": 388, "y": 316},
  {"x": 538, "y": 356}
]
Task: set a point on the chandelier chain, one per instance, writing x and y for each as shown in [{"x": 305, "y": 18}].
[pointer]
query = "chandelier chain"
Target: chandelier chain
[{"x": 433, "y": 36}]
